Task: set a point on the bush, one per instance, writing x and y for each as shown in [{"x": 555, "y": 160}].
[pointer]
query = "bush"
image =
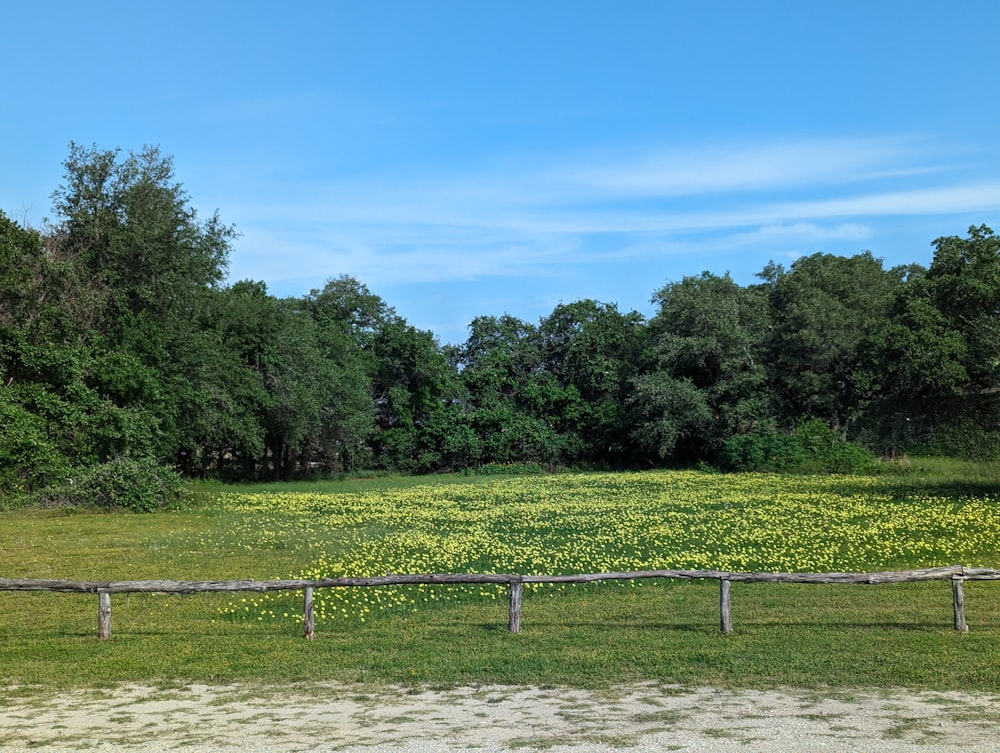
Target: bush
[
  {"x": 963, "y": 439},
  {"x": 509, "y": 469},
  {"x": 812, "y": 448},
  {"x": 139, "y": 485},
  {"x": 771, "y": 451},
  {"x": 29, "y": 459}
]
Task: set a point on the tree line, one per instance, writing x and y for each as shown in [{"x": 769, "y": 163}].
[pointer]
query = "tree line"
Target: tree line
[{"x": 119, "y": 338}]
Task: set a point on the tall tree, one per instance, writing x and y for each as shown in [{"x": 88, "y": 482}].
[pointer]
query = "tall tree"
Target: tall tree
[
  {"x": 421, "y": 423},
  {"x": 593, "y": 351},
  {"x": 513, "y": 402},
  {"x": 964, "y": 279},
  {"x": 348, "y": 318},
  {"x": 128, "y": 225},
  {"x": 936, "y": 360},
  {"x": 706, "y": 381},
  {"x": 823, "y": 308},
  {"x": 131, "y": 224},
  {"x": 49, "y": 350},
  {"x": 37, "y": 362}
]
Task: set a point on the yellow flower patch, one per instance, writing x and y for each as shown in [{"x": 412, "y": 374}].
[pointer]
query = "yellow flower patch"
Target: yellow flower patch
[{"x": 588, "y": 523}]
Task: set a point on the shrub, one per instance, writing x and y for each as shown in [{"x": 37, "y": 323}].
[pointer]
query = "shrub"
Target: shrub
[
  {"x": 29, "y": 459},
  {"x": 963, "y": 439},
  {"x": 812, "y": 448},
  {"x": 140, "y": 485},
  {"x": 509, "y": 469},
  {"x": 770, "y": 451}
]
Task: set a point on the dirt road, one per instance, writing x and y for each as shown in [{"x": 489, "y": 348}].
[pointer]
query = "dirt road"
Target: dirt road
[{"x": 632, "y": 719}]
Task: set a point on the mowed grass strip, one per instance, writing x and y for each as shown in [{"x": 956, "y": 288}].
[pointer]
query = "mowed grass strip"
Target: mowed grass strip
[{"x": 588, "y": 636}]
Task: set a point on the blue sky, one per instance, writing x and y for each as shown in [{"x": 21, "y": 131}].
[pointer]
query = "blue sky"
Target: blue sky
[{"x": 483, "y": 157}]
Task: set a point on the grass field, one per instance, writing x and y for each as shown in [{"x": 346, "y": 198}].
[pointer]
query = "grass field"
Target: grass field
[{"x": 587, "y": 636}]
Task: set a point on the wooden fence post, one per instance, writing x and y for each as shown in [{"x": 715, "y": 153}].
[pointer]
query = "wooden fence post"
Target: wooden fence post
[
  {"x": 955, "y": 573},
  {"x": 103, "y": 615},
  {"x": 958, "y": 603},
  {"x": 516, "y": 590},
  {"x": 309, "y": 620},
  {"x": 725, "y": 607}
]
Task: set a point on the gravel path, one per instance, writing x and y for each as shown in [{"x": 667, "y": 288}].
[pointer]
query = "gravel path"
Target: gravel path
[{"x": 632, "y": 719}]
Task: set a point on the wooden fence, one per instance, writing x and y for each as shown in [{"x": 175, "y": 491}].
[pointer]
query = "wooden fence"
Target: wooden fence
[{"x": 957, "y": 574}]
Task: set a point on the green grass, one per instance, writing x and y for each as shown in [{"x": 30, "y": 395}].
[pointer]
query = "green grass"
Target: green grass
[
  {"x": 588, "y": 636},
  {"x": 785, "y": 636},
  {"x": 949, "y": 472}
]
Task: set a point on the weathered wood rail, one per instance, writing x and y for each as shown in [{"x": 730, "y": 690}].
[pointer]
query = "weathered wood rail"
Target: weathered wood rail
[{"x": 956, "y": 574}]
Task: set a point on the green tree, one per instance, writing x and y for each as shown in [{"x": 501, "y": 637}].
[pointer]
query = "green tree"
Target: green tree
[
  {"x": 418, "y": 403},
  {"x": 134, "y": 231},
  {"x": 513, "y": 402},
  {"x": 53, "y": 418},
  {"x": 31, "y": 330},
  {"x": 672, "y": 417},
  {"x": 593, "y": 350},
  {"x": 348, "y": 305},
  {"x": 347, "y": 317},
  {"x": 127, "y": 226},
  {"x": 706, "y": 380},
  {"x": 964, "y": 280},
  {"x": 936, "y": 360},
  {"x": 823, "y": 309},
  {"x": 301, "y": 393}
]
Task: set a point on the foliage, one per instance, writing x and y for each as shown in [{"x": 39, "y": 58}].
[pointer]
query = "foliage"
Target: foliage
[
  {"x": 823, "y": 308},
  {"x": 704, "y": 379},
  {"x": 592, "y": 351},
  {"x": 669, "y": 413},
  {"x": 812, "y": 448},
  {"x": 509, "y": 469},
  {"x": 512, "y": 404},
  {"x": 119, "y": 337},
  {"x": 28, "y": 456},
  {"x": 137, "y": 485},
  {"x": 420, "y": 427},
  {"x": 763, "y": 451},
  {"x": 962, "y": 439}
]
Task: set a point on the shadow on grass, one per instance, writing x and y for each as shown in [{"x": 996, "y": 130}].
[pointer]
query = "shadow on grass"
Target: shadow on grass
[{"x": 906, "y": 486}]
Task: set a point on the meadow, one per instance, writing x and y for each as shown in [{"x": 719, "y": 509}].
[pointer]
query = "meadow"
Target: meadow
[{"x": 590, "y": 635}]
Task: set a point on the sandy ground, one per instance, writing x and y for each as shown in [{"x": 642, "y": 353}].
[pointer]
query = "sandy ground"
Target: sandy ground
[{"x": 631, "y": 719}]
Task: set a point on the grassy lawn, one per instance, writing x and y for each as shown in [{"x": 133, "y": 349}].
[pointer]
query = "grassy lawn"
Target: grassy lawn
[{"x": 587, "y": 636}]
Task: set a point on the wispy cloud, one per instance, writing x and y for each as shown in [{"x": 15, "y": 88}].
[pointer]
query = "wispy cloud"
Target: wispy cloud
[
  {"x": 802, "y": 231},
  {"x": 530, "y": 218},
  {"x": 721, "y": 169},
  {"x": 969, "y": 197}
]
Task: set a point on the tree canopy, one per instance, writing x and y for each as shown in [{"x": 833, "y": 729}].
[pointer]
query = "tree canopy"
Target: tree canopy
[{"x": 120, "y": 338}]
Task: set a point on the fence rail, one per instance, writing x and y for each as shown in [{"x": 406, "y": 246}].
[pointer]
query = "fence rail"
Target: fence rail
[{"x": 957, "y": 574}]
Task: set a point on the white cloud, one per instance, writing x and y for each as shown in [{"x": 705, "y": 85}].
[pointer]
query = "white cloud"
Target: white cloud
[
  {"x": 724, "y": 169},
  {"x": 975, "y": 197},
  {"x": 804, "y": 231},
  {"x": 511, "y": 222}
]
